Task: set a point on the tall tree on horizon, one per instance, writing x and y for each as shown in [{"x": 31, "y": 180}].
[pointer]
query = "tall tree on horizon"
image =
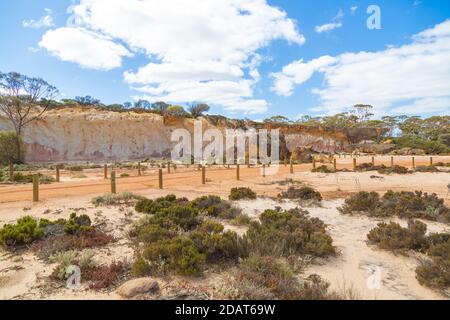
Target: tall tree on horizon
[{"x": 23, "y": 100}]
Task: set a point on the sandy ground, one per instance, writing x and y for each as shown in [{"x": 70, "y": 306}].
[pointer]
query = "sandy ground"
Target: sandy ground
[{"x": 25, "y": 277}]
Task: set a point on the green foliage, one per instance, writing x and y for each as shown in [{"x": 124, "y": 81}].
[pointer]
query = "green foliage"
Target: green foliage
[
  {"x": 393, "y": 237},
  {"x": 110, "y": 199},
  {"x": 198, "y": 109},
  {"x": 24, "y": 232},
  {"x": 394, "y": 169},
  {"x": 323, "y": 169},
  {"x": 416, "y": 142},
  {"x": 267, "y": 278},
  {"x": 402, "y": 204},
  {"x": 242, "y": 193},
  {"x": 214, "y": 206},
  {"x": 76, "y": 225},
  {"x": 302, "y": 193},
  {"x": 217, "y": 246},
  {"x": 178, "y": 254},
  {"x": 241, "y": 220},
  {"x": 285, "y": 233},
  {"x": 10, "y": 143}
]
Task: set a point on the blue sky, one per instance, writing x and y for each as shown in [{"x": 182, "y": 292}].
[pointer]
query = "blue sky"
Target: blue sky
[{"x": 262, "y": 61}]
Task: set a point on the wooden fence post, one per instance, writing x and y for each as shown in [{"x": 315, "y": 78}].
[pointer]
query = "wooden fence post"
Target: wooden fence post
[
  {"x": 431, "y": 161},
  {"x": 113, "y": 182},
  {"x": 373, "y": 161},
  {"x": 160, "y": 178},
  {"x": 168, "y": 167},
  {"x": 57, "y": 174},
  {"x": 11, "y": 172},
  {"x": 354, "y": 164},
  {"x": 237, "y": 172},
  {"x": 105, "y": 171},
  {"x": 334, "y": 164},
  {"x": 413, "y": 162},
  {"x": 291, "y": 165},
  {"x": 139, "y": 169},
  {"x": 203, "y": 175},
  {"x": 264, "y": 170},
  {"x": 314, "y": 163},
  {"x": 392, "y": 161},
  {"x": 35, "y": 188}
]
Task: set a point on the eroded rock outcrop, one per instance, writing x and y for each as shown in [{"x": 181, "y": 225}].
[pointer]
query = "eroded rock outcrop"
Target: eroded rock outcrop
[{"x": 89, "y": 134}]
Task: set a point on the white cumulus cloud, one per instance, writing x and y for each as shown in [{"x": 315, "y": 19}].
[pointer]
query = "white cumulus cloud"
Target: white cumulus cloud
[
  {"x": 413, "y": 78},
  {"x": 44, "y": 22},
  {"x": 87, "y": 49},
  {"x": 335, "y": 24},
  {"x": 196, "y": 49}
]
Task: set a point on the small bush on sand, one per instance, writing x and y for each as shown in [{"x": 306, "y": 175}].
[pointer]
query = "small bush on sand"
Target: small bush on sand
[
  {"x": 426, "y": 169},
  {"x": 368, "y": 166},
  {"x": 402, "y": 204},
  {"x": 24, "y": 232},
  {"x": 241, "y": 220},
  {"x": 28, "y": 178},
  {"x": 178, "y": 254},
  {"x": 395, "y": 169},
  {"x": 110, "y": 199},
  {"x": 217, "y": 246},
  {"x": 302, "y": 193},
  {"x": 362, "y": 202},
  {"x": 434, "y": 272},
  {"x": 323, "y": 169},
  {"x": 285, "y": 233},
  {"x": 267, "y": 278},
  {"x": 241, "y": 194},
  {"x": 124, "y": 175},
  {"x": 214, "y": 206},
  {"x": 150, "y": 206},
  {"x": 105, "y": 276},
  {"x": 393, "y": 237}
]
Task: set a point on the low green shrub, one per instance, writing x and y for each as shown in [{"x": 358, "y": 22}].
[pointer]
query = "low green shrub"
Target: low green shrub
[
  {"x": 302, "y": 193},
  {"x": 241, "y": 220},
  {"x": 426, "y": 169},
  {"x": 241, "y": 194},
  {"x": 393, "y": 237},
  {"x": 24, "y": 232},
  {"x": 110, "y": 199},
  {"x": 402, "y": 204},
  {"x": 285, "y": 233},
  {"x": 267, "y": 278},
  {"x": 394, "y": 169},
  {"x": 323, "y": 169},
  {"x": 214, "y": 206},
  {"x": 178, "y": 254},
  {"x": 434, "y": 272}
]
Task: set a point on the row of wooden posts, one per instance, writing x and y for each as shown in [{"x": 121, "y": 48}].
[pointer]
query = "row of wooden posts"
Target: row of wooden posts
[{"x": 200, "y": 168}]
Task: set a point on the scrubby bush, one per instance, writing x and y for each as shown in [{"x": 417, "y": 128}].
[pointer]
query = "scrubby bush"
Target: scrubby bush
[
  {"x": 24, "y": 232},
  {"x": 426, "y": 169},
  {"x": 28, "y": 178},
  {"x": 214, "y": 206},
  {"x": 112, "y": 199},
  {"x": 285, "y": 233},
  {"x": 178, "y": 254},
  {"x": 393, "y": 237},
  {"x": 105, "y": 276},
  {"x": 434, "y": 272},
  {"x": 267, "y": 278},
  {"x": 241, "y": 220},
  {"x": 402, "y": 204},
  {"x": 323, "y": 169},
  {"x": 241, "y": 194},
  {"x": 217, "y": 246},
  {"x": 394, "y": 169},
  {"x": 302, "y": 193},
  {"x": 149, "y": 206},
  {"x": 362, "y": 202}
]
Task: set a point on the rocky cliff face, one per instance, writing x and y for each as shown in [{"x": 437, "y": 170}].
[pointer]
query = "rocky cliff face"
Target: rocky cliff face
[{"x": 96, "y": 135}]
